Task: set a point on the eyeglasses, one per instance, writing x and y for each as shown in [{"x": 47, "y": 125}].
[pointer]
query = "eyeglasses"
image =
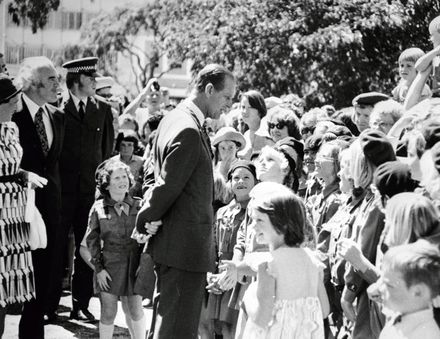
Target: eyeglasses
[
  {"x": 307, "y": 130},
  {"x": 279, "y": 125},
  {"x": 320, "y": 159},
  {"x": 381, "y": 124}
]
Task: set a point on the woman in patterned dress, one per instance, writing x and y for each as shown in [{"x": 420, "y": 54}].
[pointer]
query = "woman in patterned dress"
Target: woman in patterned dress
[{"x": 16, "y": 271}]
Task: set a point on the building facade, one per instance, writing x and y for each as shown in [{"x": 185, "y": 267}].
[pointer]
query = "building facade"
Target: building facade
[{"x": 64, "y": 28}]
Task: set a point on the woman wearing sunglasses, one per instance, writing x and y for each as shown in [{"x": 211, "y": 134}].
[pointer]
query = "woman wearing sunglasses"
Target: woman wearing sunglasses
[{"x": 282, "y": 122}]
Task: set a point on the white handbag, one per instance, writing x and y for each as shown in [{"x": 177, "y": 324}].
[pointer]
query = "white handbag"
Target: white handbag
[{"x": 37, "y": 229}]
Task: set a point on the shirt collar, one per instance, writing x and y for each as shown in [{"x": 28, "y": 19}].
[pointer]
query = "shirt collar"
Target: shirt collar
[
  {"x": 110, "y": 202},
  {"x": 330, "y": 189},
  {"x": 76, "y": 100},
  {"x": 193, "y": 107},
  {"x": 32, "y": 106},
  {"x": 130, "y": 161},
  {"x": 411, "y": 320}
]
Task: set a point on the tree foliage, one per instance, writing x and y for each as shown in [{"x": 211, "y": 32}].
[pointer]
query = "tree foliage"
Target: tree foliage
[
  {"x": 36, "y": 11},
  {"x": 120, "y": 30},
  {"x": 325, "y": 50}
]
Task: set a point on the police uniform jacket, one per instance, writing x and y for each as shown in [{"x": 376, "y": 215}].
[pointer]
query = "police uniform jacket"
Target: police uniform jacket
[{"x": 87, "y": 143}]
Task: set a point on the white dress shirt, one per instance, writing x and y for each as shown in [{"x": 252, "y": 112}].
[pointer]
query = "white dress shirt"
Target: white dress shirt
[
  {"x": 417, "y": 325},
  {"x": 33, "y": 109}
]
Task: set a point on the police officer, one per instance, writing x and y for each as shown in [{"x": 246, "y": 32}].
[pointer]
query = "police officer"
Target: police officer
[{"x": 88, "y": 141}]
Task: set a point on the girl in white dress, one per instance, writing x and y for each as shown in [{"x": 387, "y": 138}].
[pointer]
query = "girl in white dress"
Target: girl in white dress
[{"x": 288, "y": 300}]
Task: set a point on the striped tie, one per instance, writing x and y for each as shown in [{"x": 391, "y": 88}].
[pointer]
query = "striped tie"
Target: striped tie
[{"x": 41, "y": 131}]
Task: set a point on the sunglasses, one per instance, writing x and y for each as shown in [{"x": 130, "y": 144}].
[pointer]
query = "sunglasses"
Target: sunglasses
[{"x": 279, "y": 125}]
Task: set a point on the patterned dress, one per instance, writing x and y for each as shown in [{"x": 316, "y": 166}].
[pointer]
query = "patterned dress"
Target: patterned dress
[
  {"x": 16, "y": 270},
  {"x": 297, "y": 312}
]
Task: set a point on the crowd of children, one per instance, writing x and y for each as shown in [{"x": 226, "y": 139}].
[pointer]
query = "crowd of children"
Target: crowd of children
[
  {"x": 327, "y": 222},
  {"x": 344, "y": 245}
]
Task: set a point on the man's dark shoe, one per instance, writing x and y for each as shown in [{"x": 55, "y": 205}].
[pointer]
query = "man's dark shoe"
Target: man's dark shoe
[
  {"x": 51, "y": 318},
  {"x": 82, "y": 315}
]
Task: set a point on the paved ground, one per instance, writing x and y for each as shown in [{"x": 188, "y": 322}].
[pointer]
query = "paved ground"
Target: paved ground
[{"x": 67, "y": 328}]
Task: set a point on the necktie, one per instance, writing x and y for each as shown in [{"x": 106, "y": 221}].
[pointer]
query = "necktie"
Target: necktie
[
  {"x": 207, "y": 139},
  {"x": 122, "y": 207},
  {"x": 41, "y": 131},
  {"x": 81, "y": 110}
]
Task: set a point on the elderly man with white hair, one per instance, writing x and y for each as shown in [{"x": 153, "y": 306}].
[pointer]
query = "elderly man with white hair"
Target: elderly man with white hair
[{"x": 41, "y": 128}]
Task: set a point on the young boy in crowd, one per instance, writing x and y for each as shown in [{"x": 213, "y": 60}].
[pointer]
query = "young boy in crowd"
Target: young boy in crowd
[
  {"x": 407, "y": 72},
  {"x": 410, "y": 280},
  {"x": 432, "y": 57}
]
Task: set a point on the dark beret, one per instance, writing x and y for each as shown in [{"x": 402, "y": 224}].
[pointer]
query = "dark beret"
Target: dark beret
[
  {"x": 376, "y": 147},
  {"x": 293, "y": 143},
  {"x": 242, "y": 164},
  {"x": 313, "y": 143},
  {"x": 431, "y": 132},
  {"x": 126, "y": 135},
  {"x": 394, "y": 177},
  {"x": 340, "y": 131},
  {"x": 7, "y": 88},
  {"x": 369, "y": 98}
]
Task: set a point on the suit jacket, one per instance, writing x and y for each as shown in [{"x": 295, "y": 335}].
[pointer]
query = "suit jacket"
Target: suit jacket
[
  {"x": 48, "y": 198},
  {"x": 86, "y": 144},
  {"x": 182, "y": 195}
]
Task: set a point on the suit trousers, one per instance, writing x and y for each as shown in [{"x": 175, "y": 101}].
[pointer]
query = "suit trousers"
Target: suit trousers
[
  {"x": 177, "y": 303},
  {"x": 75, "y": 213},
  {"x": 31, "y": 324}
]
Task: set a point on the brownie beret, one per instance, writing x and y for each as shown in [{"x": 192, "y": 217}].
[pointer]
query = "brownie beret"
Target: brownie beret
[
  {"x": 242, "y": 164},
  {"x": 376, "y": 147},
  {"x": 394, "y": 177}
]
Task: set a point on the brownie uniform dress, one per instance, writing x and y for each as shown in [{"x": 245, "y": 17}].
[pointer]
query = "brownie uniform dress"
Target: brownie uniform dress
[
  {"x": 226, "y": 227},
  {"x": 109, "y": 241},
  {"x": 16, "y": 271}
]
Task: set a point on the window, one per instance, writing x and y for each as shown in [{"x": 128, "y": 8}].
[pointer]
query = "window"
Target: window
[{"x": 71, "y": 20}]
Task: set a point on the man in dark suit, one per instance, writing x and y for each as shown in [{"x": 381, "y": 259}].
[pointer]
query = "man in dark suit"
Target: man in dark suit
[
  {"x": 181, "y": 198},
  {"x": 88, "y": 141},
  {"x": 41, "y": 128}
]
